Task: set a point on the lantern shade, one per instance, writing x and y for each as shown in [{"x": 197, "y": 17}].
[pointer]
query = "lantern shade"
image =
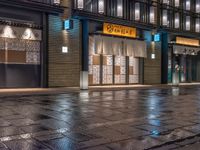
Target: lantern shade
[
  {"x": 101, "y": 6},
  {"x": 152, "y": 15},
  {"x": 137, "y": 11},
  {"x": 119, "y": 8},
  {"x": 177, "y": 21},
  {"x": 187, "y": 23},
  {"x": 177, "y": 3},
  {"x": 197, "y": 25},
  {"x": 165, "y": 18}
]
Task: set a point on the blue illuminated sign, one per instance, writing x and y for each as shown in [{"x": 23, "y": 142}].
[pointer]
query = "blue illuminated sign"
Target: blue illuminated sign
[
  {"x": 68, "y": 24},
  {"x": 156, "y": 37}
]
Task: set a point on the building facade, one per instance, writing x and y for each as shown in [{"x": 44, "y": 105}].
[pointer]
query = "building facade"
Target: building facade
[
  {"x": 133, "y": 41},
  {"x": 85, "y": 43}
]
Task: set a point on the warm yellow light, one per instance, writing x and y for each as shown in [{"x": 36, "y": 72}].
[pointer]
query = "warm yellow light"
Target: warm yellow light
[{"x": 187, "y": 41}]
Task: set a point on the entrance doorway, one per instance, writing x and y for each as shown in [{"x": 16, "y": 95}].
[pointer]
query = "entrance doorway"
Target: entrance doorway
[
  {"x": 115, "y": 61},
  {"x": 185, "y": 64}
]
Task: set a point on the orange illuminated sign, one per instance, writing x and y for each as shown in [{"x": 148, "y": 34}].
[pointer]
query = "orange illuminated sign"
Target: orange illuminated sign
[
  {"x": 114, "y": 29},
  {"x": 187, "y": 41}
]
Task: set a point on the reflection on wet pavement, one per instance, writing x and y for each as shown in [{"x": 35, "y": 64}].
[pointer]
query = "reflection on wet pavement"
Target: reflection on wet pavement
[{"x": 154, "y": 119}]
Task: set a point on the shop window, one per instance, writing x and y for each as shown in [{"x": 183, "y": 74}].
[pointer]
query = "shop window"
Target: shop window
[
  {"x": 119, "y": 8},
  {"x": 177, "y": 21},
  {"x": 197, "y": 6},
  {"x": 197, "y": 25},
  {"x": 20, "y": 48},
  {"x": 187, "y": 23}
]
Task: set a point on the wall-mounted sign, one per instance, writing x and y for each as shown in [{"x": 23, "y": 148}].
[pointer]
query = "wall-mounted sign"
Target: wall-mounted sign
[
  {"x": 187, "y": 41},
  {"x": 64, "y": 49},
  {"x": 156, "y": 38},
  {"x": 68, "y": 24},
  {"x": 114, "y": 29}
]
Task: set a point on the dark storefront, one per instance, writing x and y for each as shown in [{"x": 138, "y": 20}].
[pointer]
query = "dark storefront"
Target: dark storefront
[
  {"x": 183, "y": 60},
  {"x": 23, "y": 46}
]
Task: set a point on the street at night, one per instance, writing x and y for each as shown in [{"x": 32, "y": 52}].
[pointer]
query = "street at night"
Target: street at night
[{"x": 131, "y": 119}]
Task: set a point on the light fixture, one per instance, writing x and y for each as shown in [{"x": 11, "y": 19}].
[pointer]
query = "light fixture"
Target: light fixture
[
  {"x": 153, "y": 56},
  {"x": 176, "y": 21},
  {"x": 56, "y": 2},
  {"x": 68, "y": 24},
  {"x": 152, "y": 15},
  {"x": 197, "y": 25},
  {"x": 64, "y": 49},
  {"x": 187, "y": 5},
  {"x": 157, "y": 37},
  {"x": 80, "y": 4},
  {"x": 101, "y": 6},
  {"x": 137, "y": 11},
  {"x": 8, "y": 32},
  {"x": 187, "y": 24},
  {"x": 119, "y": 8},
  {"x": 198, "y": 6},
  {"x": 28, "y": 34},
  {"x": 165, "y": 18},
  {"x": 177, "y": 3}
]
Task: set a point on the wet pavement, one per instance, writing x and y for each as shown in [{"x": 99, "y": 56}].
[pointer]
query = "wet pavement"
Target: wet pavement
[{"x": 154, "y": 119}]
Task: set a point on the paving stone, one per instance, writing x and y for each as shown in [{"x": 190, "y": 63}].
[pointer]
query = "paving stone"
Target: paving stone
[
  {"x": 25, "y": 145},
  {"x": 120, "y": 119}
]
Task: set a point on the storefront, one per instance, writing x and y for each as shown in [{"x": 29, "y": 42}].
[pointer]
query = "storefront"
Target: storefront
[
  {"x": 114, "y": 56},
  {"x": 183, "y": 61},
  {"x": 20, "y": 49}
]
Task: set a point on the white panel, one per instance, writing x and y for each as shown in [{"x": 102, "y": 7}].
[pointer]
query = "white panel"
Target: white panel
[
  {"x": 187, "y": 5},
  {"x": 177, "y": 20},
  {"x": 165, "y": 18},
  {"x": 197, "y": 25},
  {"x": 101, "y": 6},
  {"x": 80, "y": 4},
  {"x": 119, "y": 8},
  {"x": 137, "y": 11},
  {"x": 165, "y": 1},
  {"x": 177, "y": 3},
  {"x": 152, "y": 14},
  {"x": 187, "y": 23},
  {"x": 84, "y": 80},
  {"x": 197, "y": 6}
]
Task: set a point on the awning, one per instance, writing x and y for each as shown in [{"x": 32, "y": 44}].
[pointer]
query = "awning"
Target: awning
[{"x": 117, "y": 46}]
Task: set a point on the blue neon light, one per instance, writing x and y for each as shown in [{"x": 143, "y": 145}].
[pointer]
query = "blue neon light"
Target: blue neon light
[
  {"x": 156, "y": 37},
  {"x": 67, "y": 24}
]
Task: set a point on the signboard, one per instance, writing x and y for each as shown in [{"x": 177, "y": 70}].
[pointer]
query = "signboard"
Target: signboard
[
  {"x": 187, "y": 41},
  {"x": 119, "y": 30},
  {"x": 157, "y": 38}
]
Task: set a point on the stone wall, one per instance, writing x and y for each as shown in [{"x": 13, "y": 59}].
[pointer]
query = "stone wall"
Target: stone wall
[
  {"x": 152, "y": 67},
  {"x": 64, "y": 69}
]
